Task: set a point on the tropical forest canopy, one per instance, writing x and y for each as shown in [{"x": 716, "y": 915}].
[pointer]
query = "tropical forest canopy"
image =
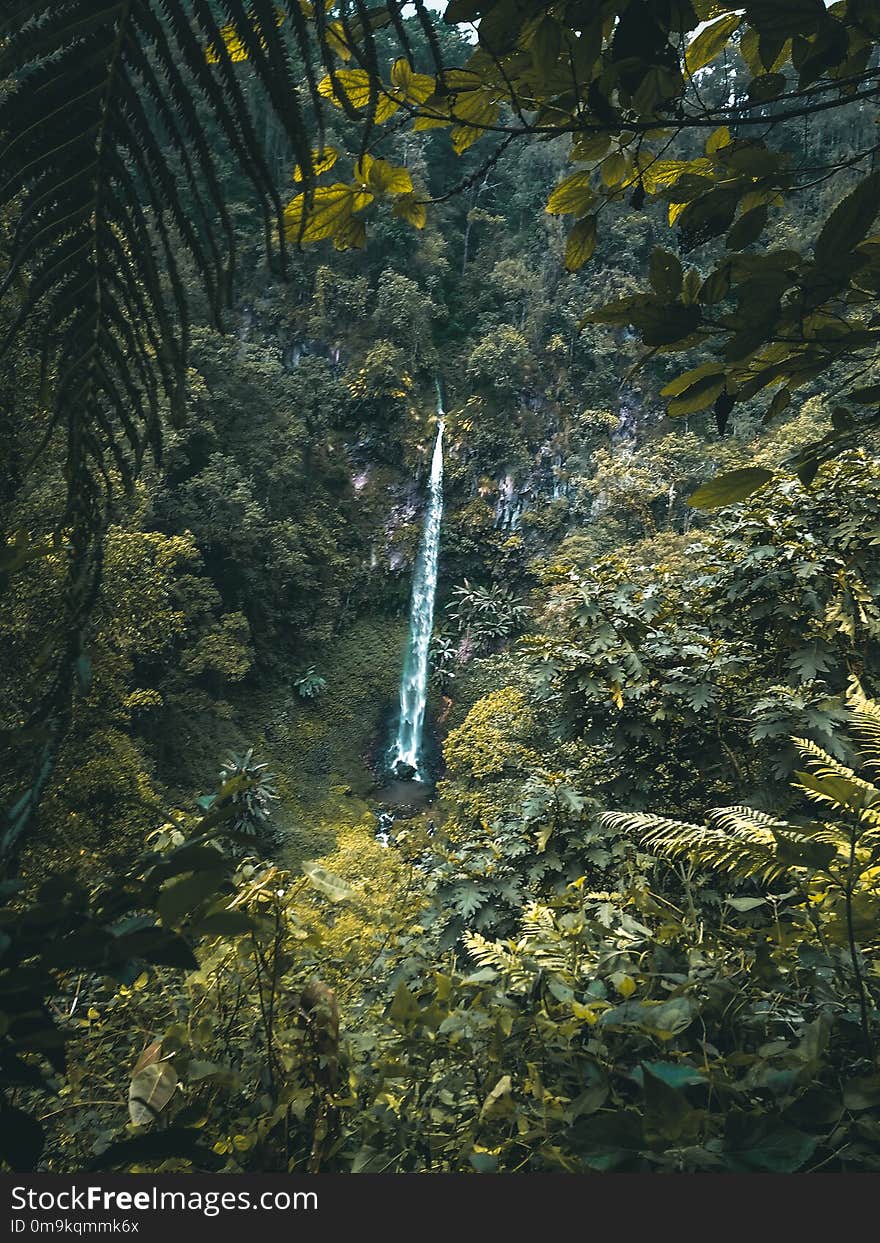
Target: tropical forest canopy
[{"x": 632, "y": 921}]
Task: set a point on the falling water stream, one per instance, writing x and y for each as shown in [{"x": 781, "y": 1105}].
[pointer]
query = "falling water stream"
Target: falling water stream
[{"x": 406, "y": 752}]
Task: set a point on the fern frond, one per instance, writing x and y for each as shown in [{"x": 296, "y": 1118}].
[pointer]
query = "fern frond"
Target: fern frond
[
  {"x": 507, "y": 963},
  {"x": 747, "y": 823},
  {"x": 743, "y": 853},
  {"x": 537, "y": 922},
  {"x": 824, "y": 765},
  {"x": 487, "y": 953},
  {"x": 643, "y": 825},
  {"x": 864, "y": 718}
]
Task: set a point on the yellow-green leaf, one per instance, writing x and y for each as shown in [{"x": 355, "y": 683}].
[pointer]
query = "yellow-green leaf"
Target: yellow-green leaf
[
  {"x": 235, "y": 48},
  {"x": 710, "y": 42},
  {"x": 415, "y": 88},
  {"x": 591, "y": 147},
  {"x": 624, "y": 983},
  {"x": 464, "y": 136},
  {"x": 381, "y": 177},
  {"x": 322, "y": 162},
  {"x": 404, "y": 1008},
  {"x": 332, "y": 208},
  {"x": 687, "y": 378},
  {"x": 661, "y": 174},
  {"x": 351, "y": 235},
  {"x": 409, "y": 208},
  {"x": 720, "y": 137},
  {"x": 355, "y": 85},
  {"x": 473, "y": 111},
  {"x": 325, "y": 882},
  {"x": 699, "y": 396},
  {"x": 354, "y": 82},
  {"x": 572, "y": 197},
  {"x": 616, "y": 169},
  {"x": 581, "y": 243},
  {"x": 337, "y": 41},
  {"x": 733, "y": 486}
]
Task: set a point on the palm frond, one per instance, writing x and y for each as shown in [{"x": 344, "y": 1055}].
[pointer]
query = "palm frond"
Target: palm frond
[{"x": 116, "y": 121}]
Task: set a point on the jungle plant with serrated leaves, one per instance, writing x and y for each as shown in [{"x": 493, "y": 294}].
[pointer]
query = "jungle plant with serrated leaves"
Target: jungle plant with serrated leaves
[
  {"x": 659, "y": 1026},
  {"x": 310, "y": 684},
  {"x": 626, "y": 86},
  {"x": 703, "y": 662},
  {"x": 250, "y": 791},
  {"x": 830, "y": 852},
  {"x": 485, "y": 616},
  {"x": 612, "y": 1032},
  {"x": 64, "y": 935}
]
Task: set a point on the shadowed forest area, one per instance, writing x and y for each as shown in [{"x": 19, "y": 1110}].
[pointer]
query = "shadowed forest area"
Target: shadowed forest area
[{"x": 440, "y": 628}]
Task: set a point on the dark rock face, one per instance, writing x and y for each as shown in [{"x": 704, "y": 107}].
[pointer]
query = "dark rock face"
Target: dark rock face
[{"x": 405, "y": 797}]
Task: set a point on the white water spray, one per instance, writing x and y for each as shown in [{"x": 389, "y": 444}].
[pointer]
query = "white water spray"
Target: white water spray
[{"x": 406, "y": 752}]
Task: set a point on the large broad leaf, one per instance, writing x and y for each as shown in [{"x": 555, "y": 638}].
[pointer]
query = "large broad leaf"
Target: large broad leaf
[
  {"x": 850, "y": 221},
  {"x": 571, "y": 197},
  {"x": 581, "y": 243},
  {"x": 665, "y": 273},
  {"x": 414, "y": 87},
  {"x": 330, "y": 211},
  {"x": 353, "y": 87},
  {"x": 409, "y": 208},
  {"x": 699, "y": 395},
  {"x": 733, "y": 486},
  {"x": 766, "y": 1143},
  {"x": 833, "y": 789},
  {"x": 664, "y": 1019},
  {"x": 323, "y": 160},
  {"x": 178, "y": 898},
  {"x": 381, "y": 177},
  {"x": 404, "y": 1008},
  {"x": 326, "y": 883},
  {"x": 668, "y": 1115},
  {"x": 780, "y": 19},
  {"x": 607, "y": 1140},
  {"x": 152, "y": 1086},
  {"x": 710, "y": 42},
  {"x": 157, "y": 1146}
]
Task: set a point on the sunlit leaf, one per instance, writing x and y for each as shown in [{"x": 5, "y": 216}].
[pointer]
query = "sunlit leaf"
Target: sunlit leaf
[
  {"x": 327, "y": 883},
  {"x": 734, "y": 485}
]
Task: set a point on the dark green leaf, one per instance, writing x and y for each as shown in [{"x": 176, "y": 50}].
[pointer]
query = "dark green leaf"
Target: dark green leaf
[
  {"x": 764, "y": 1143},
  {"x": 849, "y": 223}
]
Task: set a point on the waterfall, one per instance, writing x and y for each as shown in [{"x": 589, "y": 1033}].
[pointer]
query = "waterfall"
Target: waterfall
[{"x": 406, "y": 752}]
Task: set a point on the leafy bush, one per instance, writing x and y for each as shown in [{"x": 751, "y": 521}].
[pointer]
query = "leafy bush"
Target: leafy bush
[
  {"x": 249, "y": 789},
  {"x": 485, "y": 616},
  {"x": 310, "y": 685}
]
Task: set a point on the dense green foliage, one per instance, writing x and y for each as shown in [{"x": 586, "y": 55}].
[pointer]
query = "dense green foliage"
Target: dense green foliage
[{"x": 637, "y": 926}]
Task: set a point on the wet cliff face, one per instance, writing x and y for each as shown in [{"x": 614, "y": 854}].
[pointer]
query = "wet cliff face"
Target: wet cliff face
[{"x": 521, "y": 449}]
